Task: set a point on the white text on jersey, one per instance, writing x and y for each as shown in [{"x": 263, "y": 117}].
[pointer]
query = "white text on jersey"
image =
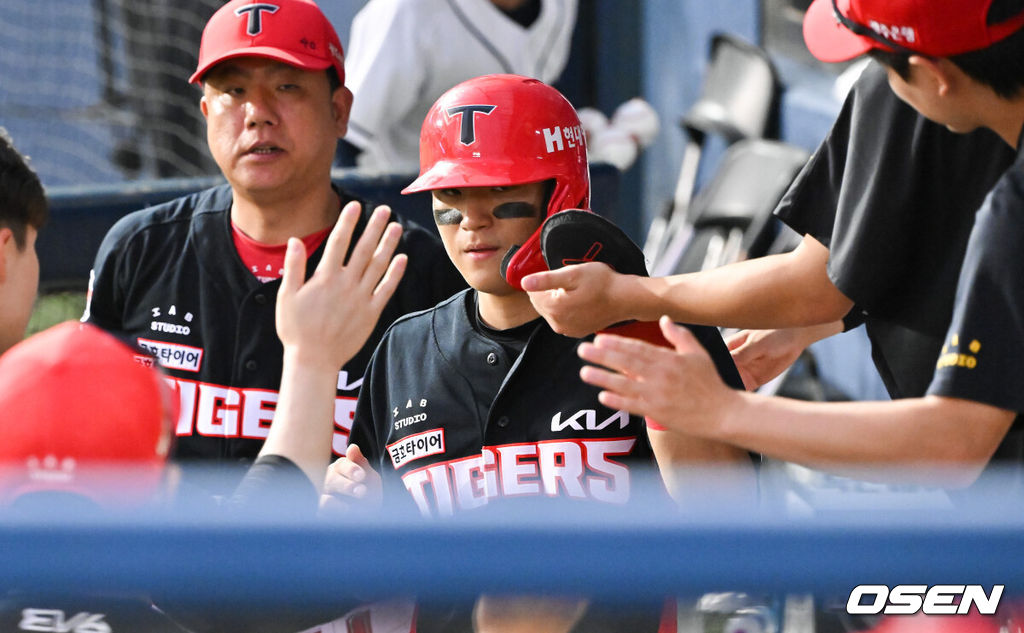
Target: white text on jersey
[
  {"x": 218, "y": 411},
  {"x": 588, "y": 417},
  {"x": 578, "y": 469}
]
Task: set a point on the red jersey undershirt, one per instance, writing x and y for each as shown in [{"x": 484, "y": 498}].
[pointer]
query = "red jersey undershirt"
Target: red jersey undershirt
[{"x": 266, "y": 261}]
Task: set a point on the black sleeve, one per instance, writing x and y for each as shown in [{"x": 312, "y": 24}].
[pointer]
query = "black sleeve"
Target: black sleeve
[
  {"x": 843, "y": 173},
  {"x": 712, "y": 341},
  {"x": 275, "y": 482},
  {"x": 983, "y": 355},
  {"x": 364, "y": 424},
  {"x": 886, "y": 192},
  {"x": 370, "y": 431},
  {"x": 853, "y": 319},
  {"x": 273, "y": 487}
]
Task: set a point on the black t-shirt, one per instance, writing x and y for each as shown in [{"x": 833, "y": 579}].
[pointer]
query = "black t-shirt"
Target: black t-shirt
[
  {"x": 893, "y": 196},
  {"x": 983, "y": 355}
]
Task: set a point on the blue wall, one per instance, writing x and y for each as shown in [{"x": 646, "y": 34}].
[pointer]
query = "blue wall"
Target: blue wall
[{"x": 674, "y": 48}]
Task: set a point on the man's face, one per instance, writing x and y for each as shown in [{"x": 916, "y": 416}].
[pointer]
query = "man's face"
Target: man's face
[
  {"x": 272, "y": 128},
  {"x": 479, "y": 224},
  {"x": 19, "y": 281}
]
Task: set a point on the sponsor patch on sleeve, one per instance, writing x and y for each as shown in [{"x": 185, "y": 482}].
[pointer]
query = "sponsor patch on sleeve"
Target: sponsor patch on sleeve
[
  {"x": 174, "y": 355},
  {"x": 413, "y": 447}
]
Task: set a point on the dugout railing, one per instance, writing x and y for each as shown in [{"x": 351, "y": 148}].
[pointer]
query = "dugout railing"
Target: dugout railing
[{"x": 613, "y": 555}]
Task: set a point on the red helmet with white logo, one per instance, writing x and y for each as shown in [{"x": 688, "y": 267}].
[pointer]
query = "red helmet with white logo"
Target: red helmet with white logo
[{"x": 500, "y": 130}]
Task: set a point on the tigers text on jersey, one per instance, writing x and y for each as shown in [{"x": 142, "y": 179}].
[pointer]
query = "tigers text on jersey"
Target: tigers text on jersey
[
  {"x": 462, "y": 422},
  {"x": 169, "y": 279}
]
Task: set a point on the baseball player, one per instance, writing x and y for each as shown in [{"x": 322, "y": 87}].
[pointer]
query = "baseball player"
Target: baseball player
[
  {"x": 23, "y": 211},
  {"x": 957, "y": 63},
  {"x": 404, "y": 53},
  {"x": 111, "y": 456},
  {"x": 477, "y": 400},
  {"x": 195, "y": 281}
]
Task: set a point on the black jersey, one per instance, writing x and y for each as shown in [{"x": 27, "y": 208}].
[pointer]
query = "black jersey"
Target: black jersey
[
  {"x": 170, "y": 279},
  {"x": 459, "y": 416},
  {"x": 893, "y": 196},
  {"x": 462, "y": 419}
]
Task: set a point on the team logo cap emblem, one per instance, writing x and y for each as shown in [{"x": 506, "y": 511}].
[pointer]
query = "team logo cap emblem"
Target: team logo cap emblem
[
  {"x": 295, "y": 32},
  {"x": 255, "y": 16},
  {"x": 467, "y": 132}
]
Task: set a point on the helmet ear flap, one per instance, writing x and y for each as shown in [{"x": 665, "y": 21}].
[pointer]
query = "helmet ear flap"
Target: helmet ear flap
[
  {"x": 506, "y": 261},
  {"x": 524, "y": 260},
  {"x": 527, "y": 259}
]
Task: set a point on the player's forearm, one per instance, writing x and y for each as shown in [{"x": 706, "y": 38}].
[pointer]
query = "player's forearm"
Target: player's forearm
[
  {"x": 304, "y": 418},
  {"x": 755, "y": 294},
  {"x": 778, "y": 291},
  {"x": 931, "y": 440},
  {"x": 813, "y": 333},
  {"x": 696, "y": 471}
]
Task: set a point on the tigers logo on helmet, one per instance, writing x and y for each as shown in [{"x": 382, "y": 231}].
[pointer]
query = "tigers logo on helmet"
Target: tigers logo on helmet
[{"x": 467, "y": 133}]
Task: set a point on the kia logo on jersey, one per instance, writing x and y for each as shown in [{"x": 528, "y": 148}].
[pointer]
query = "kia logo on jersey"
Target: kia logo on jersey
[
  {"x": 467, "y": 134},
  {"x": 255, "y": 11}
]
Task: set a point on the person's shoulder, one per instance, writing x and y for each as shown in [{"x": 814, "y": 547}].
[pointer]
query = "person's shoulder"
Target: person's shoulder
[
  {"x": 872, "y": 80},
  {"x": 1008, "y": 192},
  {"x": 172, "y": 214},
  {"x": 415, "y": 323},
  {"x": 878, "y": 107},
  {"x": 425, "y": 336},
  {"x": 168, "y": 218}
]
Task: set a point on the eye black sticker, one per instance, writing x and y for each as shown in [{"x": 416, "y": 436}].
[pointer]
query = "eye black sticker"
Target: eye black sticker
[
  {"x": 512, "y": 210},
  {"x": 447, "y": 216}
]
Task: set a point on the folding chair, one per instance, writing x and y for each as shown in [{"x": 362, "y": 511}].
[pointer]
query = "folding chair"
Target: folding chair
[
  {"x": 732, "y": 215},
  {"x": 737, "y": 100}
]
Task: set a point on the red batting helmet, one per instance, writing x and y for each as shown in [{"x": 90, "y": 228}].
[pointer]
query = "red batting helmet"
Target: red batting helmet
[
  {"x": 82, "y": 414},
  {"x": 500, "y": 130}
]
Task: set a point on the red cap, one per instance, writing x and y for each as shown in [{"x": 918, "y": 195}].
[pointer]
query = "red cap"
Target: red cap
[
  {"x": 77, "y": 408},
  {"x": 295, "y": 32},
  {"x": 838, "y": 30}
]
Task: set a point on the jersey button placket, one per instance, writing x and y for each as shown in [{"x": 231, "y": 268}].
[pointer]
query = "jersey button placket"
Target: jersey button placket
[
  {"x": 503, "y": 421},
  {"x": 251, "y": 365}
]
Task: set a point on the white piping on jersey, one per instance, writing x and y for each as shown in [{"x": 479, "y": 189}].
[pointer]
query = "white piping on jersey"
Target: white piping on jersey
[{"x": 486, "y": 43}]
